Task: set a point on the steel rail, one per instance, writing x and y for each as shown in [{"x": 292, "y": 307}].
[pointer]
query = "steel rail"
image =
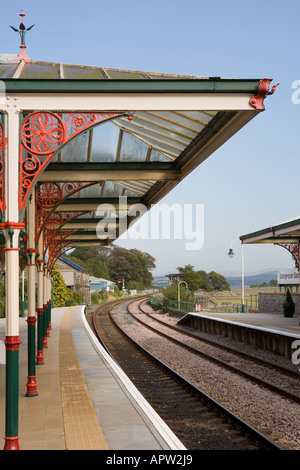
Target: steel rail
[
  {"x": 213, "y": 343},
  {"x": 247, "y": 375},
  {"x": 239, "y": 423}
]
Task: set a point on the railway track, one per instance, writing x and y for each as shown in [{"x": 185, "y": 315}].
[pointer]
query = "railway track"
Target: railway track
[
  {"x": 264, "y": 373},
  {"x": 195, "y": 418}
]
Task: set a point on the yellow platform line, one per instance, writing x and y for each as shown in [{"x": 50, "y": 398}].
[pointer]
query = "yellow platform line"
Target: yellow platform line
[{"x": 82, "y": 428}]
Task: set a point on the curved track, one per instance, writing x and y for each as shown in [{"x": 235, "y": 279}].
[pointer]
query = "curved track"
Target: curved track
[{"x": 198, "y": 421}]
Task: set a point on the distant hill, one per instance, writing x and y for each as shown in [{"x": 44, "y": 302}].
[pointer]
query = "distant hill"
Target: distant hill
[
  {"x": 234, "y": 281},
  {"x": 253, "y": 279}
]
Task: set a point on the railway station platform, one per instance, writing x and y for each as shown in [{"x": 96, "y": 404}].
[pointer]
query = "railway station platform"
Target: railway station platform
[
  {"x": 268, "y": 321},
  {"x": 84, "y": 402},
  {"x": 266, "y": 331}
]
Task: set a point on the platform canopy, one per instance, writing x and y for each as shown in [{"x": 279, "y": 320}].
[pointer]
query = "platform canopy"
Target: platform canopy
[
  {"x": 114, "y": 138},
  {"x": 285, "y": 234}
]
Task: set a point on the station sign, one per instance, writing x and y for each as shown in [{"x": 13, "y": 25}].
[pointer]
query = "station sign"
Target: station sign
[{"x": 288, "y": 277}]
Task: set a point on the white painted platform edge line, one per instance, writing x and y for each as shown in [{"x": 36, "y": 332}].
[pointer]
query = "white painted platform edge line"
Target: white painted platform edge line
[{"x": 164, "y": 430}]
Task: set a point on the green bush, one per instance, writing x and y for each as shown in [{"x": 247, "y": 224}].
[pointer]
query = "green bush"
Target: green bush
[
  {"x": 74, "y": 298},
  {"x": 62, "y": 296},
  {"x": 60, "y": 290},
  {"x": 288, "y": 305},
  {"x": 99, "y": 297}
]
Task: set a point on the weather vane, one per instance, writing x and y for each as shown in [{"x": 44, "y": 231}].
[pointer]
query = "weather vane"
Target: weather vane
[{"x": 22, "y": 31}]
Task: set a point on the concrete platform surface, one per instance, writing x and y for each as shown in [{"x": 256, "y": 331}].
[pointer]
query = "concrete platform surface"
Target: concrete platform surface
[
  {"x": 84, "y": 401},
  {"x": 290, "y": 326}
]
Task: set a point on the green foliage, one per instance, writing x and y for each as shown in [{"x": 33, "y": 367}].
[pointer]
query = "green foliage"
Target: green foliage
[
  {"x": 74, "y": 298},
  {"x": 95, "y": 267},
  {"x": 95, "y": 298},
  {"x": 102, "y": 296},
  {"x": 132, "y": 285},
  {"x": 217, "y": 281},
  {"x": 202, "y": 280},
  {"x": 117, "y": 292},
  {"x": 288, "y": 305},
  {"x": 131, "y": 265},
  {"x": 62, "y": 296},
  {"x": 171, "y": 293},
  {"x": 116, "y": 263},
  {"x": 288, "y": 298}
]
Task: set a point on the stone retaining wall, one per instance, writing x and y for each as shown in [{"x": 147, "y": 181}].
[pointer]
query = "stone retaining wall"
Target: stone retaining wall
[
  {"x": 267, "y": 340},
  {"x": 272, "y": 303}
]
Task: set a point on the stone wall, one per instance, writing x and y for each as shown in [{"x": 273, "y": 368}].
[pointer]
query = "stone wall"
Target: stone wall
[{"x": 272, "y": 303}]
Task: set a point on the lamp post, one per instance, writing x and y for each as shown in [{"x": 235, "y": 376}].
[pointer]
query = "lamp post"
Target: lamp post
[
  {"x": 181, "y": 282},
  {"x": 231, "y": 255}
]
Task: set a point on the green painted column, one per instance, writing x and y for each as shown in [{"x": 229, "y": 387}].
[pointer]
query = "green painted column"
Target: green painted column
[
  {"x": 12, "y": 393},
  {"x": 12, "y": 227}
]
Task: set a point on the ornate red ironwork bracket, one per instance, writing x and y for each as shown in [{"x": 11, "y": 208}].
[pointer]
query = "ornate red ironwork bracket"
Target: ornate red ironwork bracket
[
  {"x": 43, "y": 134},
  {"x": 257, "y": 101},
  {"x": 52, "y": 238},
  {"x": 48, "y": 197},
  {"x": 57, "y": 250},
  {"x": 293, "y": 248}
]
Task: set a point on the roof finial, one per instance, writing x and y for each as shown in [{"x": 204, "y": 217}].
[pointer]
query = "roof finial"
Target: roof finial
[{"x": 22, "y": 31}]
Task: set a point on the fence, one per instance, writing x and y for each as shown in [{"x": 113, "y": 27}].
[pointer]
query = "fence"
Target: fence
[
  {"x": 249, "y": 304},
  {"x": 181, "y": 306},
  {"x": 185, "y": 307}
]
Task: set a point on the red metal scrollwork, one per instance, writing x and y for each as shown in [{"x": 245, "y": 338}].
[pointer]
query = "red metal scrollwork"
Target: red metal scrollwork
[
  {"x": 257, "y": 101},
  {"x": 48, "y": 197},
  {"x": 54, "y": 224},
  {"x": 43, "y": 133},
  {"x": 42, "y": 136},
  {"x": 293, "y": 248}
]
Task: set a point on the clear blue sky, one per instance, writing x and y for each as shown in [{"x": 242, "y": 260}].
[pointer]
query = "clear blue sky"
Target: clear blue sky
[{"x": 251, "y": 182}]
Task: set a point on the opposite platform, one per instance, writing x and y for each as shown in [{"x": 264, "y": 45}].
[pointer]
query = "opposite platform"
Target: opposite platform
[
  {"x": 84, "y": 402},
  {"x": 267, "y": 321}
]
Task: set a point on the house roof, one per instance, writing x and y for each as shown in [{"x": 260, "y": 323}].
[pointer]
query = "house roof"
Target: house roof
[
  {"x": 287, "y": 231},
  {"x": 70, "y": 263}
]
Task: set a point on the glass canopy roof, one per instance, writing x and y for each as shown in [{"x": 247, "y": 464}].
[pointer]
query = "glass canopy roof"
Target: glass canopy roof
[
  {"x": 142, "y": 159},
  {"x": 9, "y": 68}
]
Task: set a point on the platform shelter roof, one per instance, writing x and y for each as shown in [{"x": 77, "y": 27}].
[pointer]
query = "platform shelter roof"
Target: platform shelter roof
[
  {"x": 158, "y": 128},
  {"x": 285, "y": 232}
]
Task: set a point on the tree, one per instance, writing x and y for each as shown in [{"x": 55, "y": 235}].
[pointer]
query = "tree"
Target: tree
[
  {"x": 218, "y": 282},
  {"x": 171, "y": 293},
  {"x": 116, "y": 263},
  {"x": 201, "y": 280},
  {"x": 194, "y": 279},
  {"x": 92, "y": 259},
  {"x": 131, "y": 265}
]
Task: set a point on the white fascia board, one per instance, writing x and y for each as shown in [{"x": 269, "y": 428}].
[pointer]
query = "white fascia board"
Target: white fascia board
[{"x": 97, "y": 102}]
